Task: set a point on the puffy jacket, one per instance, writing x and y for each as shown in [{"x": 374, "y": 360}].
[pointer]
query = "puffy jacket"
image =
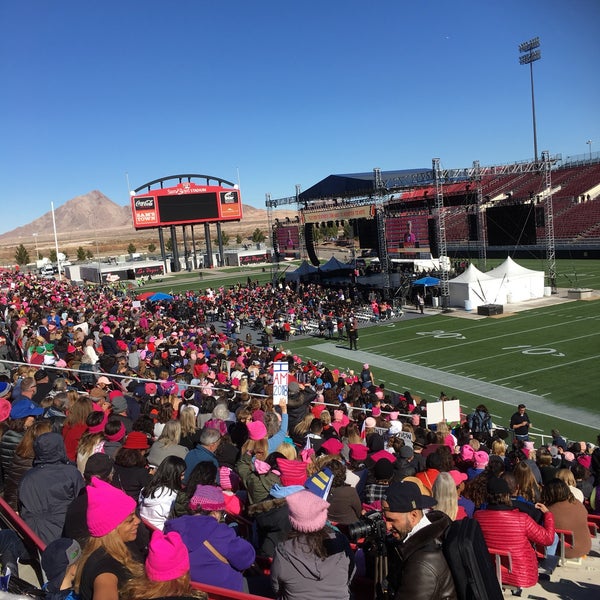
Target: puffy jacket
[
  {"x": 509, "y": 529},
  {"x": 10, "y": 440},
  {"x": 12, "y": 478},
  {"x": 423, "y": 573},
  {"x": 205, "y": 566},
  {"x": 49, "y": 487}
]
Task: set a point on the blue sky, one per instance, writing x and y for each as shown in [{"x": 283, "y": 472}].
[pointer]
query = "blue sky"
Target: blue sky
[{"x": 280, "y": 93}]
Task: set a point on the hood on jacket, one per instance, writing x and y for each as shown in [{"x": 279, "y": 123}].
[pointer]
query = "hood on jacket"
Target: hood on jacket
[
  {"x": 193, "y": 537},
  {"x": 49, "y": 448},
  {"x": 308, "y": 565}
]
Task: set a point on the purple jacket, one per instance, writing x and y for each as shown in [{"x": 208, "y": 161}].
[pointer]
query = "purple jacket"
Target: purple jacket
[{"x": 205, "y": 567}]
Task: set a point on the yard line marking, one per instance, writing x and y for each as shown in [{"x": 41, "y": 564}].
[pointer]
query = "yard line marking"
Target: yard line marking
[
  {"x": 460, "y": 345},
  {"x": 573, "y": 362},
  {"x": 518, "y": 350}
]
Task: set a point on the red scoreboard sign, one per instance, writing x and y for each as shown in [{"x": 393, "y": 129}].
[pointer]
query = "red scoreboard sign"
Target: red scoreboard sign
[{"x": 186, "y": 204}]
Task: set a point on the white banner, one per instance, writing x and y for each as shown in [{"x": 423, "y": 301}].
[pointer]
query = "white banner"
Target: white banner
[{"x": 280, "y": 382}]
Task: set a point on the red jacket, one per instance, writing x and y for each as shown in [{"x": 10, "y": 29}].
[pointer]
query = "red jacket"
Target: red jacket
[{"x": 515, "y": 531}]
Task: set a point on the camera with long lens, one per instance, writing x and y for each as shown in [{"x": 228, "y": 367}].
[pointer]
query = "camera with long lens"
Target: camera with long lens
[{"x": 370, "y": 525}]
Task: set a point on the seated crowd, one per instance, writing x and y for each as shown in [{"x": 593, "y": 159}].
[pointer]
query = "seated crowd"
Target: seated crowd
[{"x": 118, "y": 414}]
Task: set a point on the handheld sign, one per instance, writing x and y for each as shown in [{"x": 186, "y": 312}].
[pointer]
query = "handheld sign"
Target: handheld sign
[{"x": 280, "y": 382}]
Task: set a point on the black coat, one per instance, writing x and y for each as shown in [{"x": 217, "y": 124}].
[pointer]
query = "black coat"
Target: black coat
[{"x": 422, "y": 571}]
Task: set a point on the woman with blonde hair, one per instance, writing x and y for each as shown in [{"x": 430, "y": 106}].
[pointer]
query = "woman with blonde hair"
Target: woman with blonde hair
[
  {"x": 498, "y": 448},
  {"x": 444, "y": 491},
  {"x": 190, "y": 434},
  {"x": 167, "y": 444},
  {"x": 567, "y": 476},
  {"x": 166, "y": 572},
  {"x": 106, "y": 563}
]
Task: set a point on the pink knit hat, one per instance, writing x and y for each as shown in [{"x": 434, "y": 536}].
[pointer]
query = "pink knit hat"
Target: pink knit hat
[
  {"x": 467, "y": 452},
  {"x": 332, "y": 446},
  {"x": 207, "y": 497},
  {"x": 256, "y": 430},
  {"x": 358, "y": 451},
  {"x": 481, "y": 459},
  {"x": 107, "y": 507},
  {"x": 307, "y": 511},
  {"x": 376, "y": 411},
  {"x": 168, "y": 557},
  {"x": 370, "y": 422},
  {"x": 293, "y": 472}
]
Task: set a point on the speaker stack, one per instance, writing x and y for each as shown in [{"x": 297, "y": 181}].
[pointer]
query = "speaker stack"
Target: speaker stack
[{"x": 490, "y": 310}]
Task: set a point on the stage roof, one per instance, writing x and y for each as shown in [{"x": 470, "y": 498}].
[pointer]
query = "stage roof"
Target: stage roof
[{"x": 357, "y": 184}]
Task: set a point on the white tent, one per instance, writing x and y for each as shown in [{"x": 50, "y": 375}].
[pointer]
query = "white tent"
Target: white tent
[
  {"x": 475, "y": 288},
  {"x": 519, "y": 283}
]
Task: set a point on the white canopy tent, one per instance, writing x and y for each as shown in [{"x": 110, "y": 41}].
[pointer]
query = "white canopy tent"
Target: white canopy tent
[
  {"x": 520, "y": 284},
  {"x": 474, "y": 288}
]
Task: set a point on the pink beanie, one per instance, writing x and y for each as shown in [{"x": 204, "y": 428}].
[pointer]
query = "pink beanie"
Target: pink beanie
[
  {"x": 467, "y": 452},
  {"x": 168, "y": 557},
  {"x": 376, "y": 411},
  {"x": 307, "y": 511},
  {"x": 256, "y": 430},
  {"x": 207, "y": 497},
  {"x": 481, "y": 459},
  {"x": 370, "y": 422},
  {"x": 107, "y": 507},
  {"x": 293, "y": 472},
  {"x": 332, "y": 446}
]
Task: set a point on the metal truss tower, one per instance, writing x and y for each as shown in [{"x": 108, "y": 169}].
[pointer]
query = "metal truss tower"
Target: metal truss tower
[
  {"x": 441, "y": 231},
  {"x": 481, "y": 229},
  {"x": 381, "y": 237},
  {"x": 549, "y": 221}
]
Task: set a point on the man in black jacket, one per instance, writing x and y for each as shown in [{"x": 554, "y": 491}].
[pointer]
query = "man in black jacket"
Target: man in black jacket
[{"x": 418, "y": 569}]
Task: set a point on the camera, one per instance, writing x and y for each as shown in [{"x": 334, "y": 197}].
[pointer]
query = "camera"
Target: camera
[{"x": 370, "y": 525}]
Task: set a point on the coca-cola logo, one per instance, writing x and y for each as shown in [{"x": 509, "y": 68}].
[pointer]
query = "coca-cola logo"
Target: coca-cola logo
[{"x": 144, "y": 203}]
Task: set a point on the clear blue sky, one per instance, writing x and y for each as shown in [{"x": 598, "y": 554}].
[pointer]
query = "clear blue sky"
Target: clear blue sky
[{"x": 282, "y": 93}]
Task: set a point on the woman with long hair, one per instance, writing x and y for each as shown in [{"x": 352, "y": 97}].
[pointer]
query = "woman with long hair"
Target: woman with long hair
[
  {"x": 167, "y": 444},
  {"x": 22, "y": 461},
  {"x": 527, "y": 486},
  {"x": 106, "y": 563},
  {"x": 446, "y": 494},
  {"x": 75, "y": 425},
  {"x": 166, "y": 573},
  {"x": 569, "y": 514},
  {"x": 158, "y": 497},
  {"x": 92, "y": 441},
  {"x": 315, "y": 560},
  {"x": 190, "y": 434}
]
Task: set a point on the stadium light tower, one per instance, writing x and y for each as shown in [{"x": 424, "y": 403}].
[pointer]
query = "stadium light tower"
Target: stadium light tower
[{"x": 529, "y": 53}]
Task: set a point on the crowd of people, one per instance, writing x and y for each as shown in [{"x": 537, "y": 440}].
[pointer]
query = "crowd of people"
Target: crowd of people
[{"x": 141, "y": 439}]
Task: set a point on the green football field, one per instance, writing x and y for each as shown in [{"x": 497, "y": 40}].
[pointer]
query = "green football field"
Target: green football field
[
  {"x": 548, "y": 358},
  {"x": 550, "y": 354}
]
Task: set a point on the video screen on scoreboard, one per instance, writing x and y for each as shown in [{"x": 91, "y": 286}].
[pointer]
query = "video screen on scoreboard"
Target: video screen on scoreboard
[{"x": 190, "y": 207}]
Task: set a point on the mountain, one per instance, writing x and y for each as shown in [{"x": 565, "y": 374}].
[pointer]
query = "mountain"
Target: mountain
[{"x": 91, "y": 211}]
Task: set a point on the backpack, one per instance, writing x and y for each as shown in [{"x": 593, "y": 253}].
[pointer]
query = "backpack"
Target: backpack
[{"x": 470, "y": 562}]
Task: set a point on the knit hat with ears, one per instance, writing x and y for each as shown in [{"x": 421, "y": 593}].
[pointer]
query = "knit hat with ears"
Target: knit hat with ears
[
  {"x": 107, "y": 507},
  {"x": 168, "y": 557},
  {"x": 307, "y": 511}
]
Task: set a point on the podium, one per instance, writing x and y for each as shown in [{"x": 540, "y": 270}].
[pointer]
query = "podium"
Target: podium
[{"x": 490, "y": 310}]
